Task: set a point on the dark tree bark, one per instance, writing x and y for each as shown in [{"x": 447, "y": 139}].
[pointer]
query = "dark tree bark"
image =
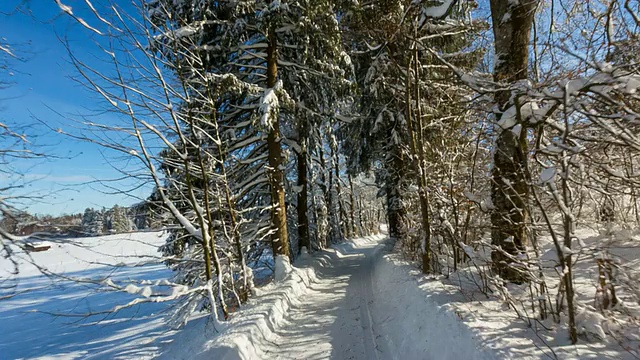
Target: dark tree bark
[
  {"x": 396, "y": 211},
  {"x": 303, "y": 209},
  {"x": 326, "y": 191},
  {"x": 417, "y": 146},
  {"x": 343, "y": 226},
  {"x": 352, "y": 209},
  {"x": 279, "y": 238},
  {"x": 512, "y": 23}
]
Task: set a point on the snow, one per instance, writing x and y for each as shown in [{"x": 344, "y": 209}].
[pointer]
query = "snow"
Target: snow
[
  {"x": 359, "y": 300},
  {"x": 487, "y": 204},
  {"x": 508, "y": 118},
  {"x": 492, "y": 319},
  {"x": 547, "y": 175},
  {"x": 589, "y": 321},
  {"x": 29, "y": 320},
  {"x": 7, "y": 50},
  {"x": 69, "y": 11},
  {"x": 39, "y": 243},
  {"x": 633, "y": 84},
  {"x": 431, "y": 326},
  {"x": 348, "y": 302},
  {"x": 438, "y": 11},
  {"x": 573, "y": 86},
  {"x": 185, "y": 31},
  {"x": 282, "y": 267},
  {"x": 530, "y": 109},
  {"x": 356, "y": 300},
  {"x": 268, "y": 107},
  {"x": 65, "y": 8},
  {"x": 304, "y": 254},
  {"x": 516, "y": 129}
]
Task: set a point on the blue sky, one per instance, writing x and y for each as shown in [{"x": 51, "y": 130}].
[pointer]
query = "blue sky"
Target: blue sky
[{"x": 42, "y": 83}]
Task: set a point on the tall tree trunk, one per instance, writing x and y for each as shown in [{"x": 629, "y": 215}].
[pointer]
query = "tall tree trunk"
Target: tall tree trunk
[
  {"x": 318, "y": 227},
  {"x": 416, "y": 146},
  {"x": 303, "y": 209},
  {"x": 342, "y": 214},
  {"x": 567, "y": 264},
  {"x": 396, "y": 211},
  {"x": 352, "y": 209},
  {"x": 512, "y": 23},
  {"x": 279, "y": 238},
  {"x": 364, "y": 229},
  {"x": 326, "y": 191}
]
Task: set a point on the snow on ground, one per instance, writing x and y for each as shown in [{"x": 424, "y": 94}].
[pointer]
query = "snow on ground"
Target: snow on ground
[
  {"x": 357, "y": 300},
  {"x": 348, "y": 302},
  {"x": 29, "y": 321},
  {"x": 496, "y": 326},
  {"x": 417, "y": 317}
]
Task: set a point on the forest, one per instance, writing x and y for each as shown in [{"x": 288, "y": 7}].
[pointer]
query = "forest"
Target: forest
[{"x": 494, "y": 139}]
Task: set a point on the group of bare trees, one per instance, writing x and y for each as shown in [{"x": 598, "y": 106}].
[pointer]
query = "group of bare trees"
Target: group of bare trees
[{"x": 15, "y": 147}]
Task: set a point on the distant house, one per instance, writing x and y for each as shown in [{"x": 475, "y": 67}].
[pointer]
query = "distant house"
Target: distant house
[
  {"x": 35, "y": 246},
  {"x": 28, "y": 228}
]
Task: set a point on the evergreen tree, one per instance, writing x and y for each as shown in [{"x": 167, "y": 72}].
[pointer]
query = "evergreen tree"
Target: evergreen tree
[
  {"x": 93, "y": 222},
  {"x": 119, "y": 221},
  {"x": 402, "y": 92},
  {"x": 279, "y": 64}
]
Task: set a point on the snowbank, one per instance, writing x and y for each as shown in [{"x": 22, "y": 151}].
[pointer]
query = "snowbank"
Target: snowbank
[
  {"x": 415, "y": 321},
  {"x": 401, "y": 320},
  {"x": 248, "y": 328}
]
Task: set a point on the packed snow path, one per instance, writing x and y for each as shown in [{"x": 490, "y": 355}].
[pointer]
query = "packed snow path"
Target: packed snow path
[
  {"x": 333, "y": 317},
  {"x": 352, "y": 301}
]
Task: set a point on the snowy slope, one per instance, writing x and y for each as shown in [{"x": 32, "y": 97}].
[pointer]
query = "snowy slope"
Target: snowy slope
[
  {"x": 415, "y": 321},
  {"x": 495, "y": 324},
  {"x": 28, "y": 323},
  {"x": 345, "y": 303}
]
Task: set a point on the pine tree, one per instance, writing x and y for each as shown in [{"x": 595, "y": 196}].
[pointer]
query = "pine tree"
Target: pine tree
[
  {"x": 378, "y": 132},
  {"x": 283, "y": 59},
  {"x": 93, "y": 222},
  {"x": 119, "y": 220},
  {"x": 403, "y": 89}
]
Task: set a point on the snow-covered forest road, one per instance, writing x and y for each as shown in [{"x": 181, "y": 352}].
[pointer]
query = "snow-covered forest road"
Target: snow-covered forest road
[
  {"x": 350, "y": 301},
  {"x": 335, "y": 304},
  {"x": 334, "y": 316}
]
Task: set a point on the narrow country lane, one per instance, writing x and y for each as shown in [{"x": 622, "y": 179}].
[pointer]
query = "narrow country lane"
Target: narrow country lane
[{"x": 333, "y": 318}]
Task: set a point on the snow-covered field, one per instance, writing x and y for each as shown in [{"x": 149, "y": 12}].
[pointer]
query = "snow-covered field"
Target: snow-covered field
[{"x": 46, "y": 319}]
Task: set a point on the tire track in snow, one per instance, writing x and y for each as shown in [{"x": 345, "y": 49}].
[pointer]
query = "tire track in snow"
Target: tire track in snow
[
  {"x": 368, "y": 334},
  {"x": 333, "y": 319}
]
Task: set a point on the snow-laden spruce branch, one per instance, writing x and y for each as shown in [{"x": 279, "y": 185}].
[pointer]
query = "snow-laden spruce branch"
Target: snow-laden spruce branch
[{"x": 138, "y": 87}]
